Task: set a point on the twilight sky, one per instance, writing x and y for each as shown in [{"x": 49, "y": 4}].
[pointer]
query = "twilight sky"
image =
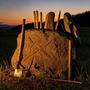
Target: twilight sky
[{"x": 12, "y": 11}]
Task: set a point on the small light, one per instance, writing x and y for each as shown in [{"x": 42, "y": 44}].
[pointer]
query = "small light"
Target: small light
[{"x": 18, "y": 73}]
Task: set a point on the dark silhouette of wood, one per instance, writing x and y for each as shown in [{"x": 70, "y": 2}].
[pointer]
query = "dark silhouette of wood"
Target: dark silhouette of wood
[
  {"x": 34, "y": 19},
  {"x": 40, "y": 20}
]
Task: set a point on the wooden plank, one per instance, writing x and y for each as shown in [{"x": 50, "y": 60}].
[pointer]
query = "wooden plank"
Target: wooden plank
[
  {"x": 65, "y": 81},
  {"x": 34, "y": 19},
  {"x": 18, "y": 71},
  {"x": 69, "y": 59},
  {"x": 21, "y": 44},
  {"x": 49, "y": 21}
]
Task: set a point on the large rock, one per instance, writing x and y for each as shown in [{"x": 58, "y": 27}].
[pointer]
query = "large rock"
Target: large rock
[{"x": 48, "y": 53}]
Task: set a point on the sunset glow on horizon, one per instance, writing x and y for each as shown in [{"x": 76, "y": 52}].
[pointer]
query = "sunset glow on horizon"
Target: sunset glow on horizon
[{"x": 12, "y": 11}]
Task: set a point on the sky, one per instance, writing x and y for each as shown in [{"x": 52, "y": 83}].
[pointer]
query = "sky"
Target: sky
[{"x": 12, "y": 11}]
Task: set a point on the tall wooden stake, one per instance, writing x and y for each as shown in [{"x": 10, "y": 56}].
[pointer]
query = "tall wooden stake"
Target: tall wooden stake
[
  {"x": 36, "y": 19},
  {"x": 40, "y": 20},
  {"x": 18, "y": 71},
  {"x": 58, "y": 20},
  {"x": 21, "y": 44},
  {"x": 69, "y": 60}
]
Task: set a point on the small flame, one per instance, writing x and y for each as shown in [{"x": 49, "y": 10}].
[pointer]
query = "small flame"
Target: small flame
[{"x": 18, "y": 73}]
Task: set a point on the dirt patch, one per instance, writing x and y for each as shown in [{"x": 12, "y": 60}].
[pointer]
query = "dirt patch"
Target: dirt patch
[{"x": 9, "y": 82}]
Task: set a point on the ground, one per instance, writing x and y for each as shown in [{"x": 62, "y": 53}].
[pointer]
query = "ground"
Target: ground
[{"x": 8, "y": 81}]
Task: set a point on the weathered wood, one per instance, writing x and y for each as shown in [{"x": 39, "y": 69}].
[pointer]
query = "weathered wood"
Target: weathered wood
[
  {"x": 21, "y": 44},
  {"x": 65, "y": 81},
  {"x": 49, "y": 21},
  {"x": 40, "y": 20},
  {"x": 67, "y": 20},
  {"x": 36, "y": 19},
  {"x": 69, "y": 59},
  {"x": 18, "y": 71},
  {"x": 58, "y": 21}
]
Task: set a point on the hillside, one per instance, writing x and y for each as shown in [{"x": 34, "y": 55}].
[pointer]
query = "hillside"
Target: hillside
[{"x": 82, "y": 19}]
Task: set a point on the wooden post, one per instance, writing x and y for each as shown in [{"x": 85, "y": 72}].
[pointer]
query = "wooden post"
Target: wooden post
[
  {"x": 18, "y": 71},
  {"x": 21, "y": 43},
  {"x": 69, "y": 59},
  {"x": 36, "y": 19},
  {"x": 49, "y": 21},
  {"x": 58, "y": 21},
  {"x": 40, "y": 20}
]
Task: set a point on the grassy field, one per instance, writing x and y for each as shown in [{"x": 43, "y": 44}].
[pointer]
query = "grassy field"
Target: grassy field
[
  {"x": 84, "y": 49},
  {"x": 8, "y": 44}
]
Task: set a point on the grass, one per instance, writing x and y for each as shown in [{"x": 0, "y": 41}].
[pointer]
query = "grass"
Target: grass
[
  {"x": 8, "y": 42},
  {"x": 84, "y": 49}
]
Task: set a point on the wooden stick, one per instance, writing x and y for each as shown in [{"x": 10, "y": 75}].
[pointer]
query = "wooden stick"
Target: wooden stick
[
  {"x": 58, "y": 20},
  {"x": 66, "y": 81},
  {"x": 34, "y": 19},
  {"x": 69, "y": 59},
  {"x": 40, "y": 20},
  {"x": 21, "y": 43}
]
